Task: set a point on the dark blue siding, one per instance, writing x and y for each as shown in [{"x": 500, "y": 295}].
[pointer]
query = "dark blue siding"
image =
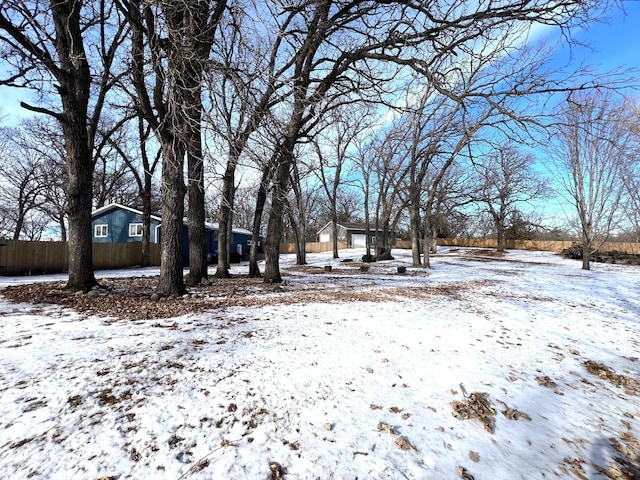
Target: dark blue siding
[
  {"x": 117, "y": 221},
  {"x": 240, "y": 245}
]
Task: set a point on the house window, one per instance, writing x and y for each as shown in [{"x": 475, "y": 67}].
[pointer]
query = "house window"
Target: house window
[
  {"x": 101, "y": 231},
  {"x": 135, "y": 229}
]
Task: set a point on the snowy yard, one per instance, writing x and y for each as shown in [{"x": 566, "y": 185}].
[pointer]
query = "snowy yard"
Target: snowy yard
[{"x": 338, "y": 375}]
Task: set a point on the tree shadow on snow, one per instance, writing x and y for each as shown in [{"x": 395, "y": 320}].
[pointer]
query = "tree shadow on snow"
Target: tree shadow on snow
[{"x": 617, "y": 458}]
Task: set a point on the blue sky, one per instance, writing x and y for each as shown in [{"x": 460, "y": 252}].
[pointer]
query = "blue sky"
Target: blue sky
[{"x": 613, "y": 44}]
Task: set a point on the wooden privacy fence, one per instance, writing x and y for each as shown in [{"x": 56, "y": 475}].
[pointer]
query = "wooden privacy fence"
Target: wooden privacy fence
[
  {"x": 550, "y": 246},
  {"x": 312, "y": 247},
  {"x": 19, "y": 257}
]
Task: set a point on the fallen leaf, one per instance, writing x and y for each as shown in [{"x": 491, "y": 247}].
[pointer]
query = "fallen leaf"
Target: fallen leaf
[
  {"x": 385, "y": 427},
  {"x": 464, "y": 474},
  {"x": 474, "y": 456},
  {"x": 373, "y": 406},
  {"x": 403, "y": 443},
  {"x": 277, "y": 471}
]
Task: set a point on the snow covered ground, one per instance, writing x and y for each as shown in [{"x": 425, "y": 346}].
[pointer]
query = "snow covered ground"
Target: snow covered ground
[{"x": 339, "y": 390}]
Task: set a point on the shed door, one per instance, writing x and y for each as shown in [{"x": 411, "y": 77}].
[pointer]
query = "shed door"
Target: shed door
[
  {"x": 358, "y": 240},
  {"x": 325, "y": 237}
]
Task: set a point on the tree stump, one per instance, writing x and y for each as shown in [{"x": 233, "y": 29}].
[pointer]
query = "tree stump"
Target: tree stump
[
  {"x": 402, "y": 269},
  {"x": 327, "y": 268}
]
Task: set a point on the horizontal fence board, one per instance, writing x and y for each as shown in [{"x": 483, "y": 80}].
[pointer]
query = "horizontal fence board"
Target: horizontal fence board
[
  {"x": 19, "y": 257},
  {"x": 312, "y": 247},
  {"x": 544, "y": 245}
]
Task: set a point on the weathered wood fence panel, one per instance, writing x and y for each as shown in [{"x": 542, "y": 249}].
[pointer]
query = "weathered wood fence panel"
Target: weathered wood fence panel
[
  {"x": 108, "y": 256},
  {"x": 312, "y": 247},
  {"x": 19, "y": 257},
  {"x": 550, "y": 246}
]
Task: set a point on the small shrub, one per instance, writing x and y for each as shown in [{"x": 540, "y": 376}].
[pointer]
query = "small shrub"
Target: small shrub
[{"x": 574, "y": 251}]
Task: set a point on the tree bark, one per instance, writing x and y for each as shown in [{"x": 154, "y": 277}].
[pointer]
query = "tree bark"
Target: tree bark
[
  {"x": 196, "y": 215},
  {"x": 171, "y": 279},
  {"x": 334, "y": 231},
  {"x": 275, "y": 225},
  {"x": 261, "y": 200},
  {"x": 74, "y": 77},
  {"x": 414, "y": 217},
  {"x": 254, "y": 269},
  {"x": 146, "y": 223},
  {"x": 586, "y": 251},
  {"x": 226, "y": 219}
]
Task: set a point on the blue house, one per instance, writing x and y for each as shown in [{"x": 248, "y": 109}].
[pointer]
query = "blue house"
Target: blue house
[{"x": 116, "y": 223}]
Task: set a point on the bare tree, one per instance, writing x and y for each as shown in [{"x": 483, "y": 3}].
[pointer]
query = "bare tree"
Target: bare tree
[
  {"x": 46, "y": 48},
  {"x": 177, "y": 36},
  {"x": 589, "y": 150},
  {"x": 21, "y": 171},
  {"x": 47, "y": 140},
  {"x": 504, "y": 179},
  {"x": 332, "y": 148},
  {"x": 112, "y": 181},
  {"x": 304, "y": 196},
  {"x": 134, "y": 147},
  {"x": 244, "y": 78},
  {"x": 631, "y": 174}
]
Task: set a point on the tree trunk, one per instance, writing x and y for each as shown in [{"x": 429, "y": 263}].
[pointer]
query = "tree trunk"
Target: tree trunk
[
  {"x": 334, "y": 227},
  {"x": 226, "y": 206},
  {"x": 586, "y": 251},
  {"x": 500, "y": 234},
  {"x": 254, "y": 269},
  {"x": 63, "y": 230},
  {"x": 275, "y": 225},
  {"x": 414, "y": 216},
  {"x": 196, "y": 215},
  {"x": 146, "y": 221},
  {"x": 261, "y": 200},
  {"x": 18, "y": 229},
  {"x": 301, "y": 251},
  {"x": 75, "y": 82},
  {"x": 427, "y": 238},
  {"x": 79, "y": 200},
  {"x": 299, "y": 239},
  {"x": 367, "y": 231},
  {"x": 173, "y": 191}
]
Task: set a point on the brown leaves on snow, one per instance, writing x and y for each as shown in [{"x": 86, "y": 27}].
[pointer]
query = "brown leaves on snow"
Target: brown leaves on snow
[
  {"x": 630, "y": 385},
  {"x": 475, "y": 405}
]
